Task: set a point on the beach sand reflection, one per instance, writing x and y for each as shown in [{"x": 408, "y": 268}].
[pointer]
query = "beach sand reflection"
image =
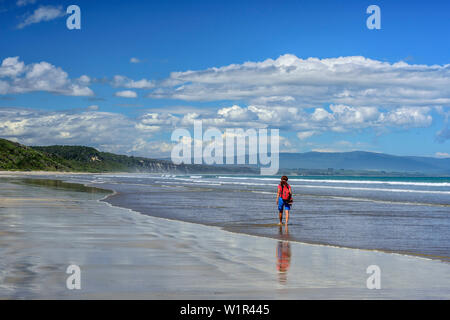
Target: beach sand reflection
[{"x": 283, "y": 253}]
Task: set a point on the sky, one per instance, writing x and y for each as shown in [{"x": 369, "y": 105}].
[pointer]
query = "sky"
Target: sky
[{"x": 138, "y": 70}]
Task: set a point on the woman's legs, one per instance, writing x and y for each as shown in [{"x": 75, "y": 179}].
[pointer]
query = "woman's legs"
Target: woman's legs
[{"x": 287, "y": 216}]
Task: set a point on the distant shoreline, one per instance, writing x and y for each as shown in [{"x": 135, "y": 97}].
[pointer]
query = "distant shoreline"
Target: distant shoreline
[
  {"x": 83, "y": 159},
  {"x": 281, "y": 172}
]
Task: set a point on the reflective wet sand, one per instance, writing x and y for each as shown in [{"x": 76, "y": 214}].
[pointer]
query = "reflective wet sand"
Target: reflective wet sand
[{"x": 45, "y": 227}]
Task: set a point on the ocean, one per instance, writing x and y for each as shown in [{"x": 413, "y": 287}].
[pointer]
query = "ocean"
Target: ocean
[{"x": 400, "y": 215}]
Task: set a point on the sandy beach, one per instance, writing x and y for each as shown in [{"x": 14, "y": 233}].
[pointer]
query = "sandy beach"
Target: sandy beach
[{"x": 123, "y": 254}]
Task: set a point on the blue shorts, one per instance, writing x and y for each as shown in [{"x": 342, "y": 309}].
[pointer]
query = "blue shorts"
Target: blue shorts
[{"x": 282, "y": 203}]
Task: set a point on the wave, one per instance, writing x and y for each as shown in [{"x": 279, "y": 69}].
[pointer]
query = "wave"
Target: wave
[
  {"x": 196, "y": 182},
  {"x": 375, "y": 189},
  {"x": 333, "y": 181},
  {"x": 406, "y": 183}
]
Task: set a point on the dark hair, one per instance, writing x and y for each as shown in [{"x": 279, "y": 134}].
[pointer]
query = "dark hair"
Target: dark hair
[{"x": 284, "y": 179}]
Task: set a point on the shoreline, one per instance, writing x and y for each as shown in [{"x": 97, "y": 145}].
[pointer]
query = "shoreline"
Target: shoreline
[
  {"x": 112, "y": 192},
  {"x": 236, "y": 265},
  {"x": 226, "y": 229},
  {"x": 336, "y": 174}
]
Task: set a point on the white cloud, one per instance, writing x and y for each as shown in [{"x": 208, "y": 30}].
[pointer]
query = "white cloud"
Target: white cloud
[
  {"x": 349, "y": 115},
  {"x": 124, "y": 82},
  {"x": 320, "y": 114},
  {"x": 236, "y": 113},
  {"x": 107, "y": 131},
  {"x": 42, "y": 76},
  {"x": 341, "y": 146},
  {"x": 84, "y": 80},
  {"x": 442, "y": 155},
  {"x": 305, "y": 134},
  {"x": 21, "y": 3},
  {"x": 326, "y": 150},
  {"x": 121, "y": 134},
  {"x": 43, "y": 13},
  {"x": 339, "y": 118},
  {"x": 153, "y": 122},
  {"x": 307, "y": 124},
  {"x": 353, "y": 81},
  {"x": 409, "y": 117},
  {"x": 135, "y": 60},
  {"x": 126, "y": 94},
  {"x": 273, "y": 99},
  {"x": 11, "y": 67},
  {"x": 157, "y": 148},
  {"x": 361, "y": 93}
]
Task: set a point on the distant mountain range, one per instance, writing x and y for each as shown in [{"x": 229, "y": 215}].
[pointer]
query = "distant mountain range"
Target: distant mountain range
[
  {"x": 14, "y": 156},
  {"x": 357, "y": 163},
  {"x": 361, "y": 160}
]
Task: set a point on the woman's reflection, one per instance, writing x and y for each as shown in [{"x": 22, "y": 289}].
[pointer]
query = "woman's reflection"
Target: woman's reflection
[{"x": 283, "y": 252}]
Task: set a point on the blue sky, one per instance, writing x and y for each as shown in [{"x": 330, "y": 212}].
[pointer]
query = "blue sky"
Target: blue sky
[{"x": 311, "y": 68}]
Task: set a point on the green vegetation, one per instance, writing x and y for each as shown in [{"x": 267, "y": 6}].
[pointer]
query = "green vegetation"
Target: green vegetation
[{"x": 14, "y": 156}]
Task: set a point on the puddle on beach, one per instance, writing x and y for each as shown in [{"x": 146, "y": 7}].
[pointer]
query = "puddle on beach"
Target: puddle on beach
[{"x": 60, "y": 185}]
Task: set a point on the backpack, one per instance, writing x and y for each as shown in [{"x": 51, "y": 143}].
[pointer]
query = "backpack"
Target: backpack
[{"x": 285, "y": 194}]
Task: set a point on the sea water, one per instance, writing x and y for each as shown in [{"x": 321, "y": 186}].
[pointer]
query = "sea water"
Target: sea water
[{"x": 394, "y": 214}]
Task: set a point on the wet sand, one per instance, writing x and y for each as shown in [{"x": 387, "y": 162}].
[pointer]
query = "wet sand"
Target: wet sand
[{"x": 126, "y": 255}]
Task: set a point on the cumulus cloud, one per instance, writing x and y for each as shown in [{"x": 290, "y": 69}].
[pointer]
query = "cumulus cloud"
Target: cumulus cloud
[
  {"x": 154, "y": 122},
  {"x": 409, "y": 117},
  {"x": 84, "y": 80},
  {"x": 121, "y": 134},
  {"x": 104, "y": 130},
  {"x": 135, "y": 60},
  {"x": 126, "y": 94},
  {"x": 359, "y": 92},
  {"x": 43, "y": 13},
  {"x": 338, "y": 118},
  {"x": 307, "y": 97},
  {"x": 236, "y": 113},
  {"x": 16, "y": 78},
  {"x": 11, "y": 67},
  {"x": 354, "y": 81}
]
